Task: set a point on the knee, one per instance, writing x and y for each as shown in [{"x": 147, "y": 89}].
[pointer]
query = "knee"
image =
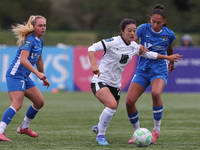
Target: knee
[
  {"x": 130, "y": 102},
  {"x": 39, "y": 105},
  {"x": 156, "y": 96},
  {"x": 112, "y": 105},
  {"x": 16, "y": 106}
]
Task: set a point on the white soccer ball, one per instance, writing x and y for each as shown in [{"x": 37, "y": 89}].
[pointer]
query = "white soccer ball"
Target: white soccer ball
[{"x": 142, "y": 137}]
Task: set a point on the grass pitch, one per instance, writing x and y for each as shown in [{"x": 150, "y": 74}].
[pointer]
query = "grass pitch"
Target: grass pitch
[{"x": 66, "y": 120}]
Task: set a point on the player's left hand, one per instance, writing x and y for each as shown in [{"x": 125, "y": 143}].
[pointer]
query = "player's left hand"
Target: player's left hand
[
  {"x": 46, "y": 83},
  {"x": 175, "y": 57}
]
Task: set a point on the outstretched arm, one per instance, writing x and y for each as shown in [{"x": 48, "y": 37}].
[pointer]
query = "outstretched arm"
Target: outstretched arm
[
  {"x": 172, "y": 58},
  {"x": 153, "y": 55},
  {"x": 170, "y": 51}
]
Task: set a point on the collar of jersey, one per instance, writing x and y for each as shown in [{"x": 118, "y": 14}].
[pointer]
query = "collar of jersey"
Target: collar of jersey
[
  {"x": 156, "y": 32},
  {"x": 125, "y": 41},
  {"x": 36, "y": 37}
]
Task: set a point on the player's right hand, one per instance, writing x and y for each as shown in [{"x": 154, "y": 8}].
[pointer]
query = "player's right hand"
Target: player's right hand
[
  {"x": 95, "y": 70},
  {"x": 142, "y": 50}
]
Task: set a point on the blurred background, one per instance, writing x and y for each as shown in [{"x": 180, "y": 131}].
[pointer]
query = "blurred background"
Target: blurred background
[
  {"x": 73, "y": 25},
  {"x": 81, "y": 22}
]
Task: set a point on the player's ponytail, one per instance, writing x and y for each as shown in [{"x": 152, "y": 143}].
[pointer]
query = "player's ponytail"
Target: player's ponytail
[
  {"x": 22, "y": 30},
  {"x": 159, "y": 6},
  {"x": 159, "y": 10}
]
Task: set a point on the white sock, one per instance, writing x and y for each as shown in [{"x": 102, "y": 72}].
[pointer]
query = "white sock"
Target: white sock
[
  {"x": 136, "y": 125},
  {"x": 157, "y": 124},
  {"x": 2, "y": 127},
  {"x": 26, "y": 122},
  {"x": 105, "y": 119}
]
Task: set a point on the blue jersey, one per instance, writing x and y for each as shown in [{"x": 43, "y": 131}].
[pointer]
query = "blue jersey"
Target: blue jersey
[
  {"x": 34, "y": 46},
  {"x": 156, "y": 42}
]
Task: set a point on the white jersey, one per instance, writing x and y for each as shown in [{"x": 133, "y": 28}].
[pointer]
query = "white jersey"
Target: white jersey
[{"x": 117, "y": 55}]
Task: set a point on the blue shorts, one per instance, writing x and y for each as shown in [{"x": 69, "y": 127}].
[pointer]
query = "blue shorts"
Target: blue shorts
[
  {"x": 144, "y": 78},
  {"x": 18, "y": 83}
]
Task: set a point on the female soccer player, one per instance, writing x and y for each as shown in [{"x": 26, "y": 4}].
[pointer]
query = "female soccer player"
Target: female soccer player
[
  {"x": 106, "y": 82},
  {"x": 18, "y": 81},
  {"x": 156, "y": 38}
]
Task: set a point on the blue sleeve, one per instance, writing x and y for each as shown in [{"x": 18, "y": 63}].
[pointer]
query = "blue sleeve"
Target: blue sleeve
[
  {"x": 27, "y": 45},
  {"x": 140, "y": 30}
]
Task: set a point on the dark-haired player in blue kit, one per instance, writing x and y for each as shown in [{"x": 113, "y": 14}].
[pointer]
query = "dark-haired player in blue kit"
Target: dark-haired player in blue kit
[
  {"x": 106, "y": 82},
  {"x": 17, "y": 77},
  {"x": 157, "y": 38}
]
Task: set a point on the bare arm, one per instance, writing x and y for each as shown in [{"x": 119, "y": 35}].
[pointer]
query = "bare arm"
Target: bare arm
[
  {"x": 40, "y": 72},
  {"x": 170, "y": 51},
  {"x": 25, "y": 62},
  {"x": 172, "y": 58},
  {"x": 95, "y": 69},
  {"x": 170, "y": 55},
  {"x": 39, "y": 64},
  {"x": 40, "y": 68},
  {"x": 153, "y": 55}
]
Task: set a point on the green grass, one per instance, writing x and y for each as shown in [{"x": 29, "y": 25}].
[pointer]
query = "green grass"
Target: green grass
[{"x": 66, "y": 120}]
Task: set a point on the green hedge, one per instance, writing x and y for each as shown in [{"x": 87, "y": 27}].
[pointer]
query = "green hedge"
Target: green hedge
[{"x": 76, "y": 38}]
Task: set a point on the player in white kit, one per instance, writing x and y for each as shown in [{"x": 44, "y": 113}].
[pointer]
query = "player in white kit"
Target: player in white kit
[{"x": 106, "y": 82}]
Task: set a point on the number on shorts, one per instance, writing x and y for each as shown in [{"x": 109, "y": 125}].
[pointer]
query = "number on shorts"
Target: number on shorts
[
  {"x": 22, "y": 84},
  {"x": 119, "y": 92}
]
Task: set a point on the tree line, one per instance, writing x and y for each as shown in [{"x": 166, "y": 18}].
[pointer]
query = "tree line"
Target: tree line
[{"x": 100, "y": 15}]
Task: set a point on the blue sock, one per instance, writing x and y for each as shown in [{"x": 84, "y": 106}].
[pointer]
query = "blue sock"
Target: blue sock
[
  {"x": 134, "y": 119},
  {"x": 31, "y": 112},
  {"x": 157, "y": 113},
  {"x": 8, "y": 115}
]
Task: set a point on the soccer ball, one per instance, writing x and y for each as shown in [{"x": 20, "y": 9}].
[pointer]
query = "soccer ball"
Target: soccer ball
[{"x": 142, "y": 137}]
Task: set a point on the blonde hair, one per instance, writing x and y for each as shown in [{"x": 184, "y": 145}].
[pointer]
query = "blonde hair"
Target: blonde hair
[{"x": 22, "y": 30}]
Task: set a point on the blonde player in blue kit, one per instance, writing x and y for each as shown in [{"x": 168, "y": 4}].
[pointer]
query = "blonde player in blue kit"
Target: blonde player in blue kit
[
  {"x": 17, "y": 77},
  {"x": 106, "y": 82},
  {"x": 156, "y": 38}
]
